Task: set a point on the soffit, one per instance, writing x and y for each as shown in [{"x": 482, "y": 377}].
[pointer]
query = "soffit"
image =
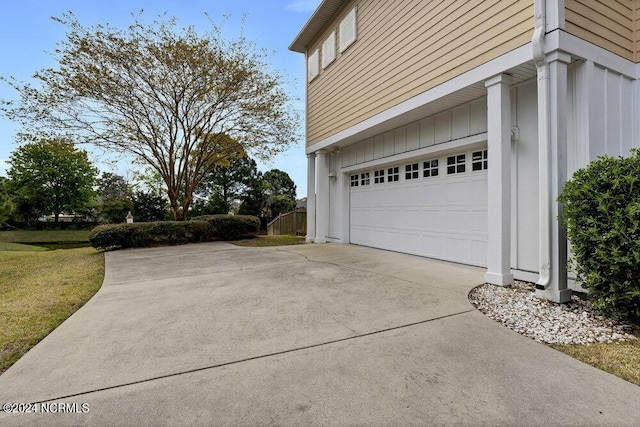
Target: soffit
[{"x": 323, "y": 14}]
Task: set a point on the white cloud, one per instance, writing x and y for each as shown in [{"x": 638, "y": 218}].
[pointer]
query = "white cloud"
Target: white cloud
[
  {"x": 303, "y": 5},
  {"x": 4, "y": 166}
]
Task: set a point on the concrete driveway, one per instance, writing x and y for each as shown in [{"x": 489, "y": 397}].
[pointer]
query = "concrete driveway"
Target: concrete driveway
[{"x": 214, "y": 334}]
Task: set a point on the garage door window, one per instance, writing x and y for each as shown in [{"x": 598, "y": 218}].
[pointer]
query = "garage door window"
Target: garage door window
[
  {"x": 479, "y": 161},
  {"x": 393, "y": 174},
  {"x": 456, "y": 164},
  {"x": 378, "y": 176},
  {"x": 430, "y": 168},
  {"x": 354, "y": 180},
  {"x": 411, "y": 171},
  {"x": 364, "y": 178}
]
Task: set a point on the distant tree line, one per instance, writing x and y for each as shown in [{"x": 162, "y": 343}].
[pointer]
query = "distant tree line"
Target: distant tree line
[{"x": 54, "y": 177}]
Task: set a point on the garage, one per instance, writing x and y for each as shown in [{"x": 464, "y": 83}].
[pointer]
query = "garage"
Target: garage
[{"x": 434, "y": 207}]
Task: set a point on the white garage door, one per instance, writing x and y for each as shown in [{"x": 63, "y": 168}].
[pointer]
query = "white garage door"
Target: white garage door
[{"x": 435, "y": 207}]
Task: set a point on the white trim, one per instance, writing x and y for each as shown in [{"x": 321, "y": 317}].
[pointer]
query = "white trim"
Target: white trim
[
  {"x": 579, "y": 48},
  {"x": 311, "y": 198},
  {"x": 479, "y": 74},
  {"x": 555, "y": 11},
  {"x": 409, "y": 156},
  {"x": 525, "y": 276},
  {"x": 499, "y": 180}
]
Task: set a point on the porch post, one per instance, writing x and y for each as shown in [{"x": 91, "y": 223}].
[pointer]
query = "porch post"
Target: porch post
[
  {"x": 322, "y": 199},
  {"x": 499, "y": 181},
  {"x": 311, "y": 198}
]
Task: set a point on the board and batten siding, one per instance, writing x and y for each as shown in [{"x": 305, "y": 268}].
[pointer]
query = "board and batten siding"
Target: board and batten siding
[
  {"x": 610, "y": 24},
  {"x": 600, "y": 114},
  {"x": 460, "y": 122},
  {"x": 404, "y": 48}
]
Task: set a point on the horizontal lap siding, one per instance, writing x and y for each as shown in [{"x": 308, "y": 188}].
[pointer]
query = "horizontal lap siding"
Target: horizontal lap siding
[
  {"x": 405, "y": 48},
  {"x": 636, "y": 12},
  {"x": 610, "y": 24}
]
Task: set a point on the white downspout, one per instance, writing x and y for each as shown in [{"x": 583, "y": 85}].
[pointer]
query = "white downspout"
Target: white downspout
[{"x": 544, "y": 138}]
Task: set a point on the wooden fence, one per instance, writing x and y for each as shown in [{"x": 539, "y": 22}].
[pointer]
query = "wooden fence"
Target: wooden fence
[{"x": 294, "y": 222}]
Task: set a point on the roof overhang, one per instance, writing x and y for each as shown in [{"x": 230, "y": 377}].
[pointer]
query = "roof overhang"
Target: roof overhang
[{"x": 321, "y": 17}]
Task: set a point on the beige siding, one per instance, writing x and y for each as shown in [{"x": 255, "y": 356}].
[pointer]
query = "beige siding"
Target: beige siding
[
  {"x": 610, "y": 24},
  {"x": 636, "y": 31},
  {"x": 405, "y": 48}
]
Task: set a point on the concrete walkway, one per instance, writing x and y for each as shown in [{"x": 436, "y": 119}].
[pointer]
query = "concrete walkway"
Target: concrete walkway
[{"x": 214, "y": 334}]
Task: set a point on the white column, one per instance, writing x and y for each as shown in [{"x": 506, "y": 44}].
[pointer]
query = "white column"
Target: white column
[
  {"x": 499, "y": 181},
  {"x": 552, "y": 112},
  {"x": 311, "y": 197},
  {"x": 322, "y": 198}
]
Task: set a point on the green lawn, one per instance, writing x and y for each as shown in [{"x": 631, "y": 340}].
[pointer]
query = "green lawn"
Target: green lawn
[
  {"x": 44, "y": 236},
  {"x": 263, "y": 240},
  {"x": 41, "y": 287},
  {"x": 6, "y": 246}
]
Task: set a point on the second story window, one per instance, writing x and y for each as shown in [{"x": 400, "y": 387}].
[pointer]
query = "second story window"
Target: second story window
[
  {"x": 329, "y": 50},
  {"x": 313, "y": 68},
  {"x": 348, "y": 30}
]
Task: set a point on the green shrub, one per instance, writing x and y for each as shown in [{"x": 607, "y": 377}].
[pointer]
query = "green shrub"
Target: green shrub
[
  {"x": 229, "y": 227},
  {"x": 602, "y": 215},
  {"x": 159, "y": 233},
  {"x": 143, "y": 234}
]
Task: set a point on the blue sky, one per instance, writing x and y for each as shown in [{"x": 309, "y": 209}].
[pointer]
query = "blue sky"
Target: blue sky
[{"x": 28, "y": 35}]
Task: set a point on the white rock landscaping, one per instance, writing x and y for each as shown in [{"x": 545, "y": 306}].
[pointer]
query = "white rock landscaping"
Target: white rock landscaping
[{"x": 573, "y": 323}]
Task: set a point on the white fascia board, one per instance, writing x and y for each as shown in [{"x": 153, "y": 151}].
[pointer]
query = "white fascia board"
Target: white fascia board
[
  {"x": 579, "y": 48},
  {"x": 474, "y": 141},
  {"x": 480, "y": 73}
]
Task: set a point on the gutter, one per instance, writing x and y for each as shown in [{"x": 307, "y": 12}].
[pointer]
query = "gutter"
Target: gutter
[{"x": 544, "y": 139}]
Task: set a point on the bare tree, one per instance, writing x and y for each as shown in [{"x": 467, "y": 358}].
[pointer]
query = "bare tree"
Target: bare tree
[{"x": 180, "y": 101}]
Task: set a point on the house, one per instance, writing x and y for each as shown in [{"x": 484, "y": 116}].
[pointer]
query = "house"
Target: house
[{"x": 446, "y": 129}]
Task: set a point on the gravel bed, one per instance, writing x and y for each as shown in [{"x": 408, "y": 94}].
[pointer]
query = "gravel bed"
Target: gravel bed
[{"x": 572, "y": 323}]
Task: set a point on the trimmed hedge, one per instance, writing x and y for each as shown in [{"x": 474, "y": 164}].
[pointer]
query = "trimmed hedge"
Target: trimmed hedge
[
  {"x": 602, "y": 214},
  {"x": 160, "y": 233}
]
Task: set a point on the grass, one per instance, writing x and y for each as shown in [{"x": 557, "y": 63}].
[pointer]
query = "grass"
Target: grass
[
  {"x": 44, "y": 236},
  {"x": 621, "y": 359},
  {"x": 6, "y": 246},
  {"x": 43, "y": 239},
  {"x": 39, "y": 290},
  {"x": 263, "y": 241}
]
